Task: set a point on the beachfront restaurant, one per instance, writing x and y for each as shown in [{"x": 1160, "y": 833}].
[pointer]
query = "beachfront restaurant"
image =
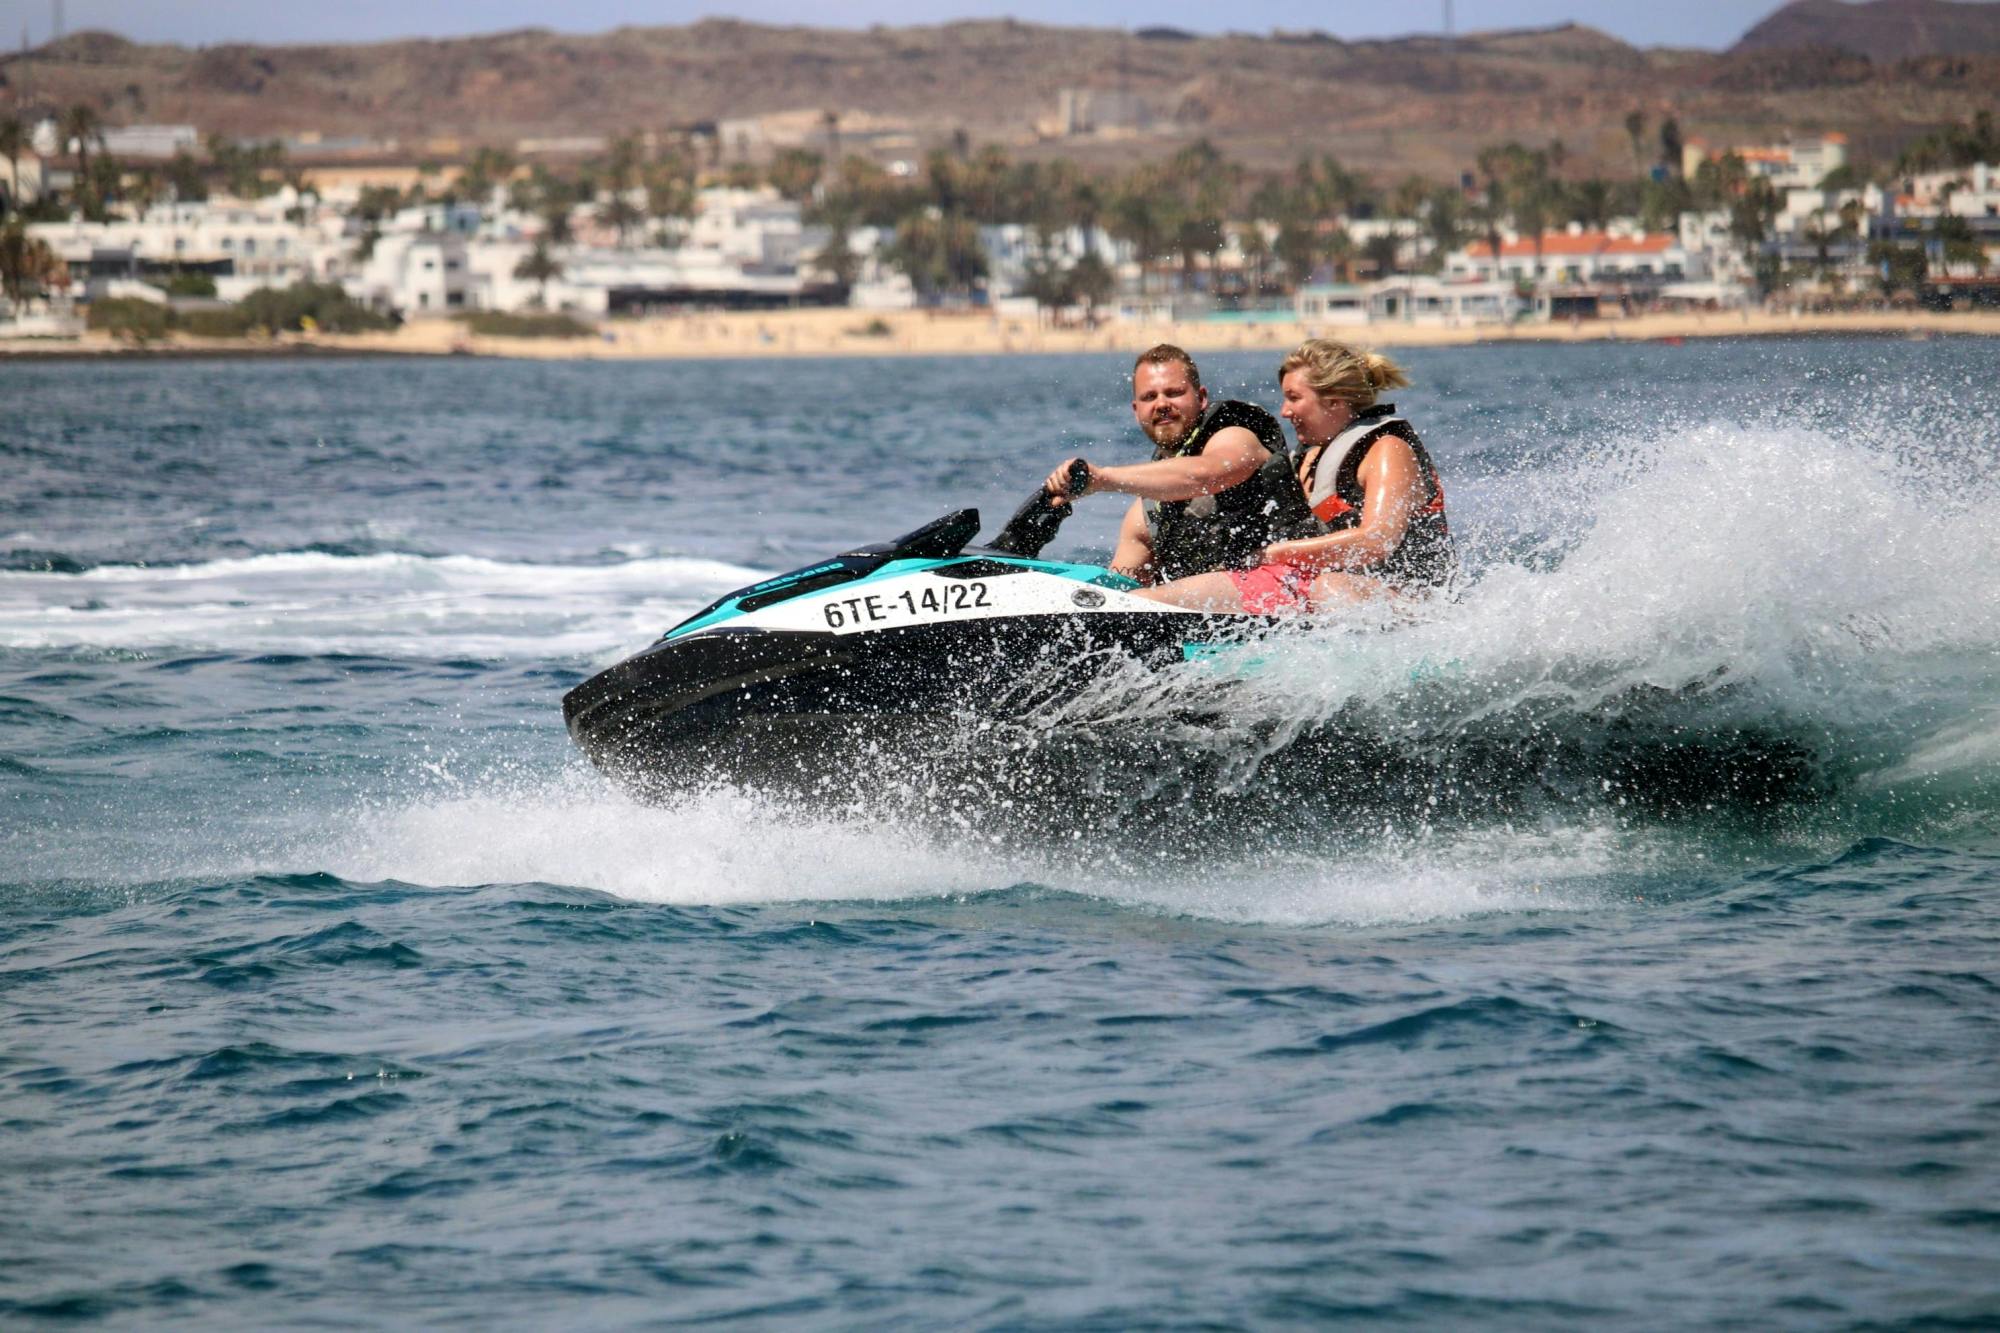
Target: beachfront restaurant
[{"x": 1427, "y": 300}]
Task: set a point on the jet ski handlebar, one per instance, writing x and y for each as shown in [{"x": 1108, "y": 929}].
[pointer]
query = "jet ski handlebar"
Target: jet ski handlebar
[{"x": 1035, "y": 523}]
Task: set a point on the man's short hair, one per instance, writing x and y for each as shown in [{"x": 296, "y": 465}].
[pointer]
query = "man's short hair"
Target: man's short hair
[{"x": 1166, "y": 354}]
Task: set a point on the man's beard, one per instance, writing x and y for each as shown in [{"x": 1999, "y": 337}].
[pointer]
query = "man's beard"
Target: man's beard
[{"x": 1171, "y": 433}]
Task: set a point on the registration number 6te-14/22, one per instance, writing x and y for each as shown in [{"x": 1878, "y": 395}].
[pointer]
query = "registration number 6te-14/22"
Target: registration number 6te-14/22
[{"x": 943, "y": 599}]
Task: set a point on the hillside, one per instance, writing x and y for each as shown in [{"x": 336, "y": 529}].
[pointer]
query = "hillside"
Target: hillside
[
  {"x": 1882, "y": 29},
  {"x": 1422, "y": 104}
]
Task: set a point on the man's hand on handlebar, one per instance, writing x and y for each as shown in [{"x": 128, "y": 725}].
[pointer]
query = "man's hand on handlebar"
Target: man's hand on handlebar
[{"x": 1070, "y": 481}]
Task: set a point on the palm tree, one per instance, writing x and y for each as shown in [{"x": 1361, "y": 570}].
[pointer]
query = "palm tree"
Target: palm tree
[
  {"x": 26, "y": 262},
  {"x": 837, "y": 258},
  {"x": 1256, "y": 248},
  {"x": 620, "y": 214},
  {"x": 78, "y": 126},
  {"x": 1338, "y": 247},
  {"x": 539, "y": 266},
  {"x": 13, "y": 142},
  {"x": 1635, "y": 129},
  {"x": 1671, "y": 145},
  {"x": 1444, "y": 219},
  {"x": 1589, "y": 202},
  {"x": 670, "y": 194},
  {"x": 1298, "y": 250}
]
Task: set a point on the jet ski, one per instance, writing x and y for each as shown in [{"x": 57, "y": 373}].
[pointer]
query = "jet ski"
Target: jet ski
[{"x": 877, "y": 646}]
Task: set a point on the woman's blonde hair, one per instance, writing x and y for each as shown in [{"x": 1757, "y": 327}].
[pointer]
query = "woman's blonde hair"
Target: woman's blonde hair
[{"x": 1335, "y": 370}]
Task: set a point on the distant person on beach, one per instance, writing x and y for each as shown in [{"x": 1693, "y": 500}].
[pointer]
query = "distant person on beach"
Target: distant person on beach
[
  {"x": 1218, "y": 479},
  {"x": 1376, "y": 508}
]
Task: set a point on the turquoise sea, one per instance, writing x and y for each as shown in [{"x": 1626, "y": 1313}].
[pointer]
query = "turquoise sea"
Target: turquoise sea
[{"x": 1618, "y": 945}]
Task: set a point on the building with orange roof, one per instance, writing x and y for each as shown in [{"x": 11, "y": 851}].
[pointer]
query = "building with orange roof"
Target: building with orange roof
[
  {"x": 1578, "y": 257},
  {"x": 1800, "y": 163}
]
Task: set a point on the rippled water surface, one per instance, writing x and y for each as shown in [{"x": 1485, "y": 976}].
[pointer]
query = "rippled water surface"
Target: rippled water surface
[{"x": 1614, "y": 945}]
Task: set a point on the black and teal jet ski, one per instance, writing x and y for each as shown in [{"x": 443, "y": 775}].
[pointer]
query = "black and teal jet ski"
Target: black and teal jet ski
[{"x": 873, "y": 646}]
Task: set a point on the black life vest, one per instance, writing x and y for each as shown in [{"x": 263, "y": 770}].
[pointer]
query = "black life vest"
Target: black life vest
[
  {"x": 1332, "y": 489},
  {"x": 1227, "y": 530}
]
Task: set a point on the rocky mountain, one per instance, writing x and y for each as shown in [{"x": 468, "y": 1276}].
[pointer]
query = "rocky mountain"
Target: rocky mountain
[
  {"x": 1881, "y": 29},
  {"x": 1422, "y": 105}
]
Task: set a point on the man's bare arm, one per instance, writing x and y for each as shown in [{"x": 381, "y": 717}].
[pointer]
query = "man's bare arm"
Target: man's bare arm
[
  {"x": 1134, "y": 556},
  {"x": 1228, "y": 460}
]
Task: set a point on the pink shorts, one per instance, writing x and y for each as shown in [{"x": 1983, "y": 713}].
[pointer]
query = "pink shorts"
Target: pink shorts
[{"x": 1271, "y": 590}]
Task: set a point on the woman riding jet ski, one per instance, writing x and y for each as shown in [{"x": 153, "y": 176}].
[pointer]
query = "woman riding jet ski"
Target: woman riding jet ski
[{"x": 870, "y": 644}]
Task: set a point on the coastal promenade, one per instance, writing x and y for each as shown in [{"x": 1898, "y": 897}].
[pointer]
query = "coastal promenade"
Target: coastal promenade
[{"x": 842, "y": 332}]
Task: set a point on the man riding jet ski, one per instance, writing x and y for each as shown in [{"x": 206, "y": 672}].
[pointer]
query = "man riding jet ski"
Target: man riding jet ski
[{"x": 929, "y": 627}]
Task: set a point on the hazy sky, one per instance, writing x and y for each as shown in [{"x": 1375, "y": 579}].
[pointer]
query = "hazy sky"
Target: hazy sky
[{"x": 1708, "y": 23}]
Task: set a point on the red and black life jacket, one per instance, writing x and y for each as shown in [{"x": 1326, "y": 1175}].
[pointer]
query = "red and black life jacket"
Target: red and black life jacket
[{"x": 1334, "y": 493}]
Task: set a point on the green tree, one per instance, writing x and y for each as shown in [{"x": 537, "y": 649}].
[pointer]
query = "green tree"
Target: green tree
[
  {"x": 1091, "y": 282},
  {"x": 1957, "y": 243},
  {"x": 1256, "y": 247},
  {"x": 484, "y": 171},
  {"x": 940, "y": 253},
  {"x": 794, "y": 172},
  {"x": 1590, "y": 202},
  {"x": 105, "y": 187},
  {"x": 621, "y": 165},
  {"x": 836, "y": 258},
  {"x": 1755, "y": 207},
  {"x": 1661, "y": 203},
  {"x": 1671, "y": 145},
  {"x": 1901, "y": 267},
  {"x": 1718, "y": 180},
  {"x": 1635, "y": 130},
  {"x": 28, "y": 266},
  {"x": 1381, "y": 252},
  {"x": 1445, "y": 221},
  {"x": 374, "y": 203},
  {"x": 1408, "y": 197},
  {"x": 1202, "y": 184},
  {"x": 13, "y": 143},
  {"x": 185, "y": 176},
  {"x": 1520, "y": 183},
  {"x": 80, "y": 127},
  {"x": 619, "y": 213},
  {"x": 329, "y": 308},
  {"x": 1961, "y": 145},
  {"x": 141, "y": 192},
  {"x": 130, "y": 317},
  {"x": 1297, "y": 247},
  {"x": 539, "y": 267},
  {"x": 1137, "y": 217},
  {"x": 242, "y": 166},
  {"x": 1336, "y": 245},
  {"x": 555, "y": 220}
]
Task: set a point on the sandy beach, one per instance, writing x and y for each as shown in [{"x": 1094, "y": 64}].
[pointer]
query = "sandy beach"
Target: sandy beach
[{"x": 842, "y": 332}]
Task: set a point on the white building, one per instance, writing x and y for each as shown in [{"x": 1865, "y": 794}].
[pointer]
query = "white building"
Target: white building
[
  {"x": 1331, "y": 303},
  {"x": 1581, "y": 257},
  {"x": 417, "y": 273},
  {"x": 1800, "y": 163},
  {"x": 755, "y": 229},
  {"x": 247, "y": 244},
  {"x": 151, "y": 142},
  {"x": 1427, "y": 300}
]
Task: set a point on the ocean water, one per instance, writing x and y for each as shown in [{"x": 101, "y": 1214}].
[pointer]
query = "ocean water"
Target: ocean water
[{"x": 1619, "y": 943}]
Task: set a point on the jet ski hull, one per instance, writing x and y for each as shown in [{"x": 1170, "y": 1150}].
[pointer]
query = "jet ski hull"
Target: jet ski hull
[{"x": 748, "y": 705}]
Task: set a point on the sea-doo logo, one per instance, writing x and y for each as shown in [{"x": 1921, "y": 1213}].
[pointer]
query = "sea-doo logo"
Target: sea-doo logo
[{"x": 1087, "y": 598}]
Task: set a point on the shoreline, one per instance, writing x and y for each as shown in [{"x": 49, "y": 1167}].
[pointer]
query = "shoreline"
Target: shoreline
[{"x": 840, "y": 332}]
